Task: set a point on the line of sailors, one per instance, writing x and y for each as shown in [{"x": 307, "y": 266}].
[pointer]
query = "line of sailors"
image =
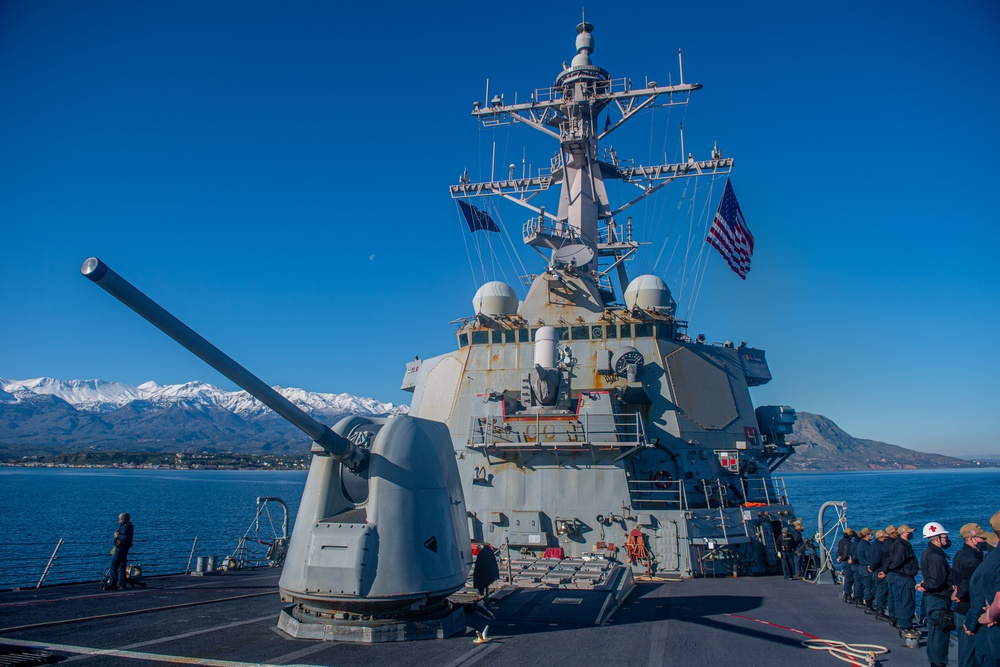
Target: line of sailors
[{"x": 879, "y": 571}]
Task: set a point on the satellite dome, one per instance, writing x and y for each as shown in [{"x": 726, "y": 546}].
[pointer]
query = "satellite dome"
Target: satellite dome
[
  {"x": 648, "y": 291},
  {"x": 495, "y": 298}
]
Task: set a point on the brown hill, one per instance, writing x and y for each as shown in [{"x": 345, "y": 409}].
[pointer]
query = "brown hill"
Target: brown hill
[{"x": 826, "y": 446}]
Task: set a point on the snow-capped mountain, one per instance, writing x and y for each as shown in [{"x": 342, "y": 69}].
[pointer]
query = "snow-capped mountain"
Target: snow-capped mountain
[{"x": 49, "y": 414}]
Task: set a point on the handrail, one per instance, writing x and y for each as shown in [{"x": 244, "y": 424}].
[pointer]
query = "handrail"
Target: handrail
[
  {"x": 612, "y": 430},
  {"x": 75, "y": 561},
  {"x": 711, "y": 494}
]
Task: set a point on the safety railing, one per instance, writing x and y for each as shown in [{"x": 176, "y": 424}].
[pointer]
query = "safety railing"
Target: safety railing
[
  {"x": 661, "y": 491},
  {"x": 768, "y": 491},
  {"x": 33, "y": 565},
  {"x": 657, "y": 494},
  {"x": 616, "y": 431}
]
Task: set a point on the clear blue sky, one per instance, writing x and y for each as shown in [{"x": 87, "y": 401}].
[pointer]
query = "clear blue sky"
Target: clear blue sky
[{"x": 276, "y": 174}]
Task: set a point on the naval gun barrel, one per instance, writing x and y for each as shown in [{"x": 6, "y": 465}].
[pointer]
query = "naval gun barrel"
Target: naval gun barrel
[{"x": 339, "y": 447}]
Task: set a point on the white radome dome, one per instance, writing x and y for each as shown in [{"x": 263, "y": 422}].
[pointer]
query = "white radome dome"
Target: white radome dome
[
  {"x": 495, "y": 298},
  {"x": 649, "y": 291}
]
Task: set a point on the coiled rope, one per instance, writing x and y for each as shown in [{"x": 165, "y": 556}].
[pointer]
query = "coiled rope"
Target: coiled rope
[{"x": 851, "y": 653}]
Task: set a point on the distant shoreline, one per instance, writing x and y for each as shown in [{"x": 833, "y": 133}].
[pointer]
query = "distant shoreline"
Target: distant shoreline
[
  {"x": 7, "y": 464},
  {"x": 303, "y": 464},
  {"x": 162, "y": 461},
  {"x": 971, "y": 468}
]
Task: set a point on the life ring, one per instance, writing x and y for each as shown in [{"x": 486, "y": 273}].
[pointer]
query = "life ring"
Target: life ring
[{"x": 661, "y": 479}]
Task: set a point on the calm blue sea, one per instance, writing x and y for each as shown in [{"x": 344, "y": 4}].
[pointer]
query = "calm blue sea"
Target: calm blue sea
[
  {"x": 171, "y": 507},
  {"x": 879, "y": 498}
]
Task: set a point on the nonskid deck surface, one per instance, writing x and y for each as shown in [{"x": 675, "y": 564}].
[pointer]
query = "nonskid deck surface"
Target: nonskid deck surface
[{"x": 229, "y": 620}]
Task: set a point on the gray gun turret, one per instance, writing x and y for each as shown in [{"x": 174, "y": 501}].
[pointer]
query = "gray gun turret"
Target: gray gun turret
[{"x": 381, "y": 538}]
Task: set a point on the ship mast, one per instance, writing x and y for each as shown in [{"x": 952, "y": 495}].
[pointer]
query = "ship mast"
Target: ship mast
[{"x": 584, "y": 228}]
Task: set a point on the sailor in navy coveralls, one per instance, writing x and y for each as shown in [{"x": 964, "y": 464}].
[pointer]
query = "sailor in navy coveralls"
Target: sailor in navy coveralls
[
  {"x": 879, "y": 586},
  {"x": 123, "y": 542},
  {"x": 900, "y": 566},
  {"x": 844, "y": 549},
  {"x": 936, "y": 588},
  {"x": 965, "y": 563},
  {"x": 983, "y": 619}
]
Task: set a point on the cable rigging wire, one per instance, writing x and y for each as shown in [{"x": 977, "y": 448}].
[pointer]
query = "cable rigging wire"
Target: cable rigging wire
[
  {"x": 492, "y": 264},
  {"x": 703, "y": 253}
]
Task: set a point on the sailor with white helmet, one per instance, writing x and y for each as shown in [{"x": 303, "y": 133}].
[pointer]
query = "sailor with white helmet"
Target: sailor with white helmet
[{"x": 936, "y": 588}]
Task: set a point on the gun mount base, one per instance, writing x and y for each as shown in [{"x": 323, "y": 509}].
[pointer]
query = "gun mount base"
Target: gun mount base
[{"x": 446, "y": 620}]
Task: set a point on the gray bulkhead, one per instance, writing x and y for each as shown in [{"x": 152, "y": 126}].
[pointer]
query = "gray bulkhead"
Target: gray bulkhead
[{"x": 546, "y": 488}]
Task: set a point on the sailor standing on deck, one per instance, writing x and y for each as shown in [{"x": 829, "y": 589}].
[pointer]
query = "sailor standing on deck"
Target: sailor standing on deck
[
  {"x": 966, "y": 560},
  {"x": 844, "y": 548},
  {"x": 800, "y": 549},
  {"x": 863, "y": 592},
  {"x": 936, "y": 588},
  {"x": 119, "y": 553},
  {"x": 984, "y": 600},
  {"x": 901, "y": 569},
  {"x": 852, "y": 590},
  {"x": 891, "y": 542},
  {"x": 786, "y": 552},
  {"x": 879, "y": 586}
]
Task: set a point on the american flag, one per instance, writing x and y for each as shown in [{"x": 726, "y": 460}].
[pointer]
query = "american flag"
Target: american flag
[{"x": 730, "y": 235}]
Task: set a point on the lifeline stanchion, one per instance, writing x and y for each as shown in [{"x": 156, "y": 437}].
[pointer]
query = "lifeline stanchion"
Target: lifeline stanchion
[
  {"x": 187, "y": 569},
  {"x": 48, "y": 565}
]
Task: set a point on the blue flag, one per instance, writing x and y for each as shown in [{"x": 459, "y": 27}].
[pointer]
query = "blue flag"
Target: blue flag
[{"x": 477, "y": 219}]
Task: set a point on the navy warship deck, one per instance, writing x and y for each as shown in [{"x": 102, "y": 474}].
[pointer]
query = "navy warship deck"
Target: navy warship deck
[{"x": 229, "y": 620}]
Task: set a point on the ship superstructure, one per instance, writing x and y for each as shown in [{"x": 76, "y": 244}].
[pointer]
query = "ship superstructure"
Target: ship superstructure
[{"x": 584, "y": 418}]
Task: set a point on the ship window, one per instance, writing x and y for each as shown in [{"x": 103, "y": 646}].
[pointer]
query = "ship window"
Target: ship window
[
  {"x": 580, "y": 333},
  {"x": 644, "y": 330},
  {"x": 663, "y": 331},
  {"x": 463, "y": 340},
  {"x": 534, "y": 333},
  {"x": 480, "y": 337},
  {"x": 510, "y": 336},
  {"x": 613, "y": 331},
  {"x": 626, "y": 330},
  {"x": 597, "y": 333},
  {"x": 524, "y": 335},
  {"x": 562, "y": 333},
  {"x": 497, "y": 336}
]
